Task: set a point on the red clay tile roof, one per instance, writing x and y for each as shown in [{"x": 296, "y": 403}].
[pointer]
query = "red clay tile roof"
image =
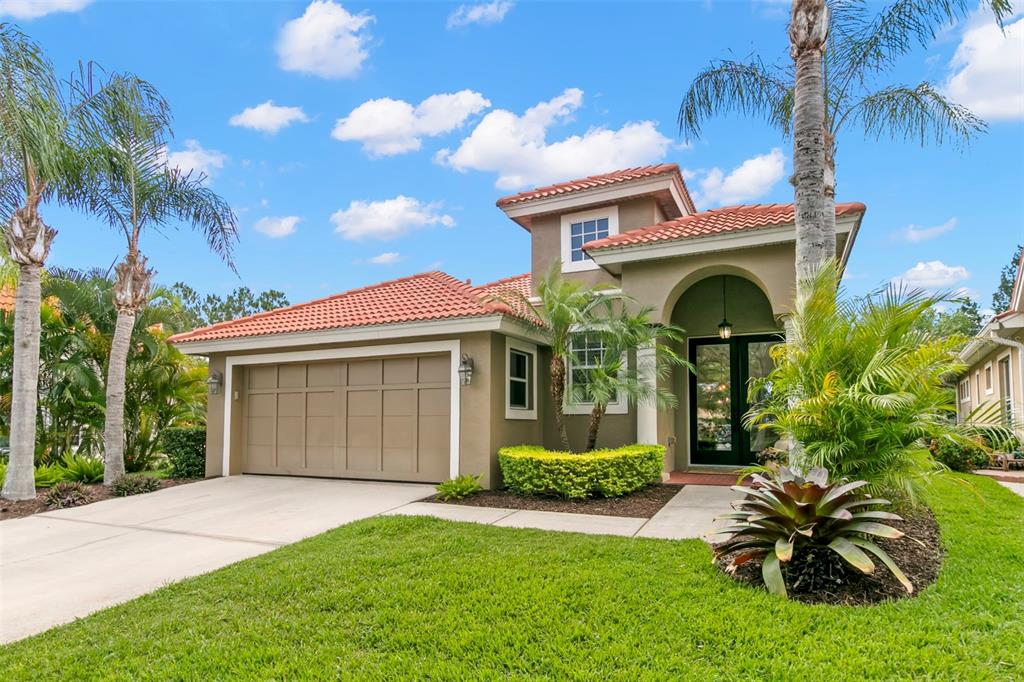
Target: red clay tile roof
[
  {"x": 7, "y": 299},
  {"x": 594, "y": 181},
  {"x": 520, "y": 284},
  {"x": 716, "y": 221},
  {"x": 417, "y": 298}
]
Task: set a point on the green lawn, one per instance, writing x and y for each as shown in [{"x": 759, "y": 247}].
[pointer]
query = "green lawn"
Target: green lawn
[{"x": 399, "y": 598}]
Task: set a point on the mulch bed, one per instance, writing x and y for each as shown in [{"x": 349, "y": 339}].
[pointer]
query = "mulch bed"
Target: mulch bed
[
  {"x": 97, "y": 492},
  {"x": 644, "y": 503},
  {"x": 850, "y": 587}
]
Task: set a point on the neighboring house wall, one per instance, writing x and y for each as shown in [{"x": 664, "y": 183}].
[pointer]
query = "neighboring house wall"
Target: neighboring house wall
[{"x": 978, "y": 394}]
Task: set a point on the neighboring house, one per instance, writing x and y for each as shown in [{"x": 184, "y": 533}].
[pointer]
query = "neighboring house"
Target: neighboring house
[
  {"x": 374, "y": 383},
  {"x": 995, "y": 365}
]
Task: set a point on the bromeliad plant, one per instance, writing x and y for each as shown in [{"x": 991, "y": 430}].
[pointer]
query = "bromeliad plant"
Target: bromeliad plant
[{"x": 787, "y": 514}]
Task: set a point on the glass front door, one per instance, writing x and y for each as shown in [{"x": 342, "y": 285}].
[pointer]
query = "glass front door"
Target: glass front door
[{"x": 718, "y": 398}]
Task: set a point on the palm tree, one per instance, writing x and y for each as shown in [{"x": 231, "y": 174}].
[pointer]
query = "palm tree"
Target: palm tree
[
  {"x": 561, "y": 308},
  {"x": 615, "y": 378},
  {"x": 41, "y": 159},
  {"x": 839, "y": 49},
  {"x": 138, "y": 190}
]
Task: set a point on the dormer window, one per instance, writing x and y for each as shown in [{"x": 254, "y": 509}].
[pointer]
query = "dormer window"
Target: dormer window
[{"x": 582, "y": 228}]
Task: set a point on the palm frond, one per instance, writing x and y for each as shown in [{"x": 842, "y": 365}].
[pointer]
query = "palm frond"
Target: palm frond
[
  {"x": 750, "y": 88},
  {"x": 914, "y": 113}
]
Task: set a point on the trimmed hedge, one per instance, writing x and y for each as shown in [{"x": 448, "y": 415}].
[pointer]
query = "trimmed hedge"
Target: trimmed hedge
[
  {"x": 959, "y": 457},
  {"x": 532, "y": 470},
  {"x": 185, "y": 448}
]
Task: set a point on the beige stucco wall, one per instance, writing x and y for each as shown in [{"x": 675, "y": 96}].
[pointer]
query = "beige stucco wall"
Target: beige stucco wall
[
  {"x": 546, "y": 233},
  {"x": 980, "y": 396}
]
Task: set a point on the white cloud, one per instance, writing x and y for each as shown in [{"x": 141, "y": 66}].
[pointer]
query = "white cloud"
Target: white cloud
[
  {"x": 33, "y": 9},
  {"x": 325, "y": 41},
  {"x": 268, "y": 117},
  {"x": 276, "y": 228},
  {"x": 752, "y": 179},
  {"x": 387, "y": 219},
  {"x": 484, "y": 13},
  {"x": 194, "y": 158},
  {"x": 916, "y": 234},
  {"x": 388, "y": 126},
  {"x": 933, "y": 275},
  {"x": 386, "y": 258},
  {"x": 987, "y": 71},
  {"x": 516, "y": 147}
]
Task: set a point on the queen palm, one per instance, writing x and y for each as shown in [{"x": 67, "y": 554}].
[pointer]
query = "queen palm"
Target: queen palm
[
  {"x": 42, "y": 138},
  {"x": 839, "y": 50},
  {"x": 139, "y": 191}
]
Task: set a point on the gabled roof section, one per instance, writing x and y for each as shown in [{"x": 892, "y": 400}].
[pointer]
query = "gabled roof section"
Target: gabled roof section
[
  {"x": 713, "y": 222},
  {"x": 671, "y": 192},
  {"x": 518, "y": 284},
  {"x": 416, "y": 298}
]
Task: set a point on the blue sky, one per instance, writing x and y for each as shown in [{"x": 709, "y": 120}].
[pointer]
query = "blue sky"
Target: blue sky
[{"x": 387, "y": 131}]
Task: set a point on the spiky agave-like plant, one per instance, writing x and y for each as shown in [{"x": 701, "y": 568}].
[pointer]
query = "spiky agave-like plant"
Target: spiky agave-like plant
[{"x": 787, "y": 513}]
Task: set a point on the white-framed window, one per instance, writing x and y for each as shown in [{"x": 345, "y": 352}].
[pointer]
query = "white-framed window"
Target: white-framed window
[
  {"x": 586, "y": 354},
  {"x": 520, "y": 380},
  {"x": 989, "y": 389},
  {"x": 582, "y": 228},
  {"x": 965, "y": 391}
]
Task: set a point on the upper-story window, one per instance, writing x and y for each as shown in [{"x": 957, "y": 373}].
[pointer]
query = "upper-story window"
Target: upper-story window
[
  {"x": 582, "y": 228},
  {"x": 988, "y": 379}
]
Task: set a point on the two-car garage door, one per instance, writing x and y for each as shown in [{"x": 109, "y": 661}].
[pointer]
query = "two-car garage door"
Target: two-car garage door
[{"x": 383, "y": 418}]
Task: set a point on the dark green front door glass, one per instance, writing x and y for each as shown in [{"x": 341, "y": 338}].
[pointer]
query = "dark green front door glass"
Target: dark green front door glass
[{"x": 718, "y": 398}]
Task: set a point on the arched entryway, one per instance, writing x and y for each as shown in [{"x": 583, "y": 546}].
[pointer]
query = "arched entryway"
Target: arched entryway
[{"x": 714, "y": 398}]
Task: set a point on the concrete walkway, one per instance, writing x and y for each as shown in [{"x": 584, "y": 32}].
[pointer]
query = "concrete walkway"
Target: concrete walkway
[
  {"x": 688, "y": 515},
  {"x": 61, "y": 565},
  {"x": 1014, "y": 486}
]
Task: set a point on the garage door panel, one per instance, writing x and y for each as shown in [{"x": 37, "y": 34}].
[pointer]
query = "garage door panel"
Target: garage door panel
[
  {"x": 324, "y": 374},
  {"x": 320, "y": 458},
  {"x": 377, "y": 418},
  {"x": 320, "y": 431},
  {"x": 263, "y": 377},
  {"x": 435, "y": 402},
  {"x": 400, "y": 371},
  {"x": 434, "y": 369},
  {"x": 290, "y": 457},
  {"x": 364, "y": 373},
  {"x": 291, "y": 376}
]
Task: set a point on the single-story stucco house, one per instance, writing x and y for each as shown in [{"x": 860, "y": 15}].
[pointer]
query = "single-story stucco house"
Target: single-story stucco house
[
  {"x": 995, "y": 365},
  {"x": 425, "y": 377}
]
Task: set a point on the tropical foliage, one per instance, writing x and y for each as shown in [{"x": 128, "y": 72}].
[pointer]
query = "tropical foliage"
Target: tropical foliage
[
  {"x": 863, "y": 387},
  {"x": 164, "y": 387},
  {"x": 203, "y": 310},
  {"x": 459, "y": 488},
  {"x": 786, "y": 516}
]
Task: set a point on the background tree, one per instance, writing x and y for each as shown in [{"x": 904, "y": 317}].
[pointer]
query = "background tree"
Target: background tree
[
  {"x": 1001, "y": 297},
  {"x": 964, "y": 321},
  {"x": 838, "y": 57},
  {"x": 42, "y": 159},
  {"x": 139, "y": 191},
  {"x": 211, "y": 309}
]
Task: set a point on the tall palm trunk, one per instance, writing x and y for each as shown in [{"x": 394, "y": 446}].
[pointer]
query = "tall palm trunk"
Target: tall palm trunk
[
  {"x": 595, "y": 425},
  {"x": 558, "y": 397},
  {"x": 130, "y": 292},
  {"x": 815, "y": 242},
  {"x": 28, "y": 240}
]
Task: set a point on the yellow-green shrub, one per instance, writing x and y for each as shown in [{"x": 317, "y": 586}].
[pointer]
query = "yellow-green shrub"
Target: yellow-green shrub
[{"x": 532, "y": 470}]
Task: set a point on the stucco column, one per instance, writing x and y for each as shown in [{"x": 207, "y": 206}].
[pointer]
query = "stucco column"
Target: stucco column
[{"x": 647, "y": 410}]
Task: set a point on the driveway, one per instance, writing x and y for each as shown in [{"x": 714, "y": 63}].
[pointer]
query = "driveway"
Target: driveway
[{"x": 61, "y": 565}]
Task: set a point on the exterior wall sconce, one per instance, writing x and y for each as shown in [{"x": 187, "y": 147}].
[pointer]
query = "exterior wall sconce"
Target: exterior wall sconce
[
  {"x": 725, "y": 326},
  {"x": 466, "y": 370},
  {"x": 214, "y": 382}
]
